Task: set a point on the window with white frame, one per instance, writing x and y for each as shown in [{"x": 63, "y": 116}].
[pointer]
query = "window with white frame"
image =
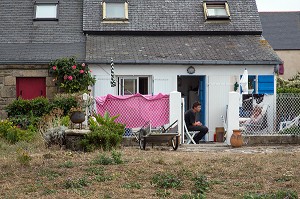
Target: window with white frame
[
  {"x": 216, "y": 10},
  {"x": 115, "y": 11},
  {"x": 129, "y": 85},
  {"x": 46, "y": 10}
]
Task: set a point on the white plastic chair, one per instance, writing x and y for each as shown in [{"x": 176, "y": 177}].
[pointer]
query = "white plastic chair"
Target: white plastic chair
[
  {"x": 289, "y": 124},
  {"x": 189, "y": 135}
]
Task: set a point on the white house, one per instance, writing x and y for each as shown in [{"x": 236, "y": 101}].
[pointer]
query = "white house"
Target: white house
[{"x": 199, "y": 48}]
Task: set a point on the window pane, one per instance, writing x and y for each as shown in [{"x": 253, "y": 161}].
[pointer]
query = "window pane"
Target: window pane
[
  {"x": 216, "y": 11},
  {"x": 130, "y": 86},
  {"x": 46, "y": 11},
  {"x": 143, "y": 85},
  {"x": 115, "y": 10}
]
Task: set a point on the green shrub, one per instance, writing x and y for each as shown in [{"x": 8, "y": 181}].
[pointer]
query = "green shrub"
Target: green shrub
[
  {"x": 24, "y": 121},
  {"x": 65, "y": 121},
  {"x": 15, "y": 134},
  {"x": 23, "y": 113},
  {"x": 103, "y": 137},
  {"x": 4, "y": 126},
  {"x": 107, "y": 135},
  {"x": 288, "y": 90},
  {"x": 40, "y": 106},
  {"x": 291, "y": 85},
  {"x": 18, "y": 107},
  {"x": 64, "y": 102}
]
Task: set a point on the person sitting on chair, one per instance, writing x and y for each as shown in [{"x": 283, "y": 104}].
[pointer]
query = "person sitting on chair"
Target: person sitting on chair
[
  {"x": 256, "y": 115},
  {"x": 192, "y": 124},
  {"x": 257, "y": 120}
]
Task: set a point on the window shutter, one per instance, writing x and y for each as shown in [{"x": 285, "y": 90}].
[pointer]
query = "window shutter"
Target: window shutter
[{"x": 266, "y": 84}]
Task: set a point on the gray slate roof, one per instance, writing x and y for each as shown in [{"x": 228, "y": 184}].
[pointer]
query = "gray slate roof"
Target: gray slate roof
[
  {"x": 173, "y": 15},
  {"x": 40, "y": 52},
  {"x": 23, "y": 40},
  {"x": 201, "y": 49},
  {"x": 281, "y": 29}
]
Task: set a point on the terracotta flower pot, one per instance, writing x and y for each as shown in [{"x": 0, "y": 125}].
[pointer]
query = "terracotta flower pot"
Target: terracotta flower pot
[
  {"x": 236, "y": 139},
  {"x": 77, "y": 117}
]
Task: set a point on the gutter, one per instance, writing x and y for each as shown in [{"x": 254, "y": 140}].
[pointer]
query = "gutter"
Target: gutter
[
  {"x": 172, "y": 62},
  {"x": 188, "y": 62},
  {"x": 25, "y": 62}
]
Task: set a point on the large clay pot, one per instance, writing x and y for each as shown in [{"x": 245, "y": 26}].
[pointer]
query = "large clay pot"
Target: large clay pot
[
  {"x": 77, "y": 117},
  {"x": 236, "y": 139}
]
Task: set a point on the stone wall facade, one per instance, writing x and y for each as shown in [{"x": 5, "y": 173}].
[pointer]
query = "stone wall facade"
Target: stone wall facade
[{"x": 8, "y": 75}]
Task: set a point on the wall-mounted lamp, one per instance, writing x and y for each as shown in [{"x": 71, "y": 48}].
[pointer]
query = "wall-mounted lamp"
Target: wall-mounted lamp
[{"x": 191, "y": 70}]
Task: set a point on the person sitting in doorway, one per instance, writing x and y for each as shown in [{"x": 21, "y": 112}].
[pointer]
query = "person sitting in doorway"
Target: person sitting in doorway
[{"x": 192, "y": 124}]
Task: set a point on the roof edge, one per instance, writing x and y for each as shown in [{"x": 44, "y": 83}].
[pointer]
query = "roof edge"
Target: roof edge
[
  {"x": 156, "y": 33},
  {"x": 29, "y": 62},
  {"x": 188, "y": 62}
]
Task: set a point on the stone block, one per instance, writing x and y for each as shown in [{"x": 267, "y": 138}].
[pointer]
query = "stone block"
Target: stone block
[
  {"x": 9, "y": 81},
  {"x": 8, "y": 91},
  {"x": 73, "y": 138},
  {"x": 4, "y": 73},
  {"x": 49, "y": 81},
  {"x": 271, "y": 140},
  {"x": 3, "y": 101},
  {"x": 30, "y": 73},
  {"x": 1, "y": 80},
  {"x": 3, "y": 114},
  {"x": 51, "y": 91}
]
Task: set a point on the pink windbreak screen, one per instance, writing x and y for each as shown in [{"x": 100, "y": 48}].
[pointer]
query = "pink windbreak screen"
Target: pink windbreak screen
[{"x": 136, "y": 110}]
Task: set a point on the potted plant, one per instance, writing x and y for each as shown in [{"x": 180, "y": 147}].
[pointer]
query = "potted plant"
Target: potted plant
[
  {"x": 77, "y": 114},
  {"x": 70, "y": 76}
]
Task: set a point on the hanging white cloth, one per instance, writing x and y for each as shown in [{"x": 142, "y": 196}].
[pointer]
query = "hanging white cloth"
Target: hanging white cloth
[{"x": 244, "y": 85}]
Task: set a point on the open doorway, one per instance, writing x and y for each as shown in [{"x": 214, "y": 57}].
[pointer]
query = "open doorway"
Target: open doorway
[{"x": 192, "y": 89}]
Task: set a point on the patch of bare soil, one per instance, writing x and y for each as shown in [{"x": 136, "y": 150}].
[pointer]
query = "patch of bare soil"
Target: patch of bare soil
[{"x": 55, "y": 173}]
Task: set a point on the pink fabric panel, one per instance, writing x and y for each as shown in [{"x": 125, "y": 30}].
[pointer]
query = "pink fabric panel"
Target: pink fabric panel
[{"x": 136, "y": 110}]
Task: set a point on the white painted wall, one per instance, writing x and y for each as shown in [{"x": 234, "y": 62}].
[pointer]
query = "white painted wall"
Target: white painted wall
[{"x": 219, "y": 82}]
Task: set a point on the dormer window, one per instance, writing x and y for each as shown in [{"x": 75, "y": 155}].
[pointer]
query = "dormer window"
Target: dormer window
[
  {"x": 115, "y": 11},
  {"x": 216, "y": 10},
  {"x": 46, "y": 10}
]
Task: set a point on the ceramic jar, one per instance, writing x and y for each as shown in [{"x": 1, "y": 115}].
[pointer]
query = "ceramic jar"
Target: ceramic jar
[{"x": 236, "y": 139}]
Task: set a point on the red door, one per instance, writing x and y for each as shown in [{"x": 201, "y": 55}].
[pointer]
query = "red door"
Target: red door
[{"x": 31, "y": 87}]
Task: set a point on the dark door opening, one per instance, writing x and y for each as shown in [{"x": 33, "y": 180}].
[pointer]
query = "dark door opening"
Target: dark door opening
[{"x": 192, "y": 89}]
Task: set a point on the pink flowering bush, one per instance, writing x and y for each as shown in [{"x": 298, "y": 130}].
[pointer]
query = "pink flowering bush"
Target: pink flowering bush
[{"x": 71, "y": 77}]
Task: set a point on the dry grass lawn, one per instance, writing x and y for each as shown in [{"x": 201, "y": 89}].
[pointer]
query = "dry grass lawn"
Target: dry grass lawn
[{"x": 32, "y": 171}]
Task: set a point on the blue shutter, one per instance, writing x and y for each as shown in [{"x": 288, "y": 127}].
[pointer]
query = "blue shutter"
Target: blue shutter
[{"x": 266, "y": 84}]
